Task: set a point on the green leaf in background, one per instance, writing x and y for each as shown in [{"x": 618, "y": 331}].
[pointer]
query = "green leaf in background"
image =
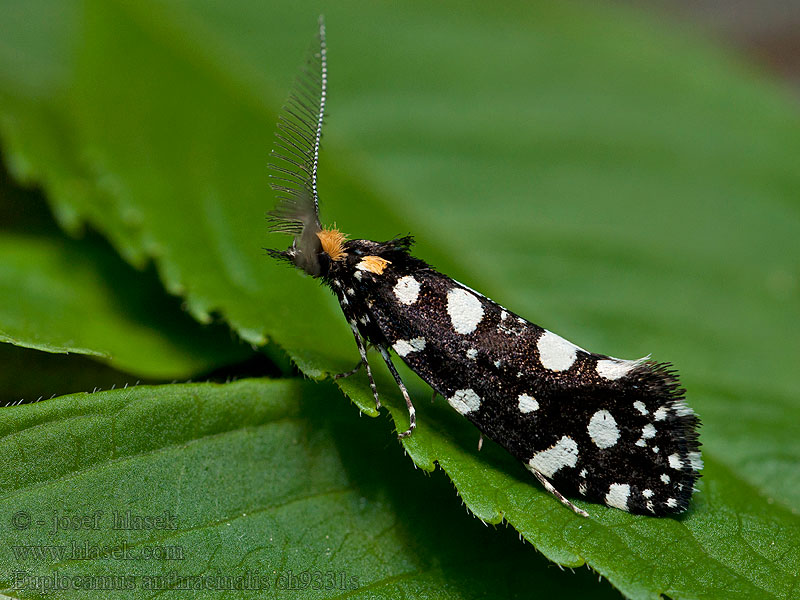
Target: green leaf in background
[
  {"x": 622, "y": 185},
  {"x": 27, "y": 375},
  {"x": 68, "y": 297},
  {"x": 54, "y": 301},
  {"x": 257, "y": 480}
]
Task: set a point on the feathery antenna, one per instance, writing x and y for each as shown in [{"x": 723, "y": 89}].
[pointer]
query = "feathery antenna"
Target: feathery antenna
[{"x": 296, "y": 150}]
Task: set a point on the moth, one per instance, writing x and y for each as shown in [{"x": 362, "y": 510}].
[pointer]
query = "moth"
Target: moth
[{"x": 596, "y": 427}]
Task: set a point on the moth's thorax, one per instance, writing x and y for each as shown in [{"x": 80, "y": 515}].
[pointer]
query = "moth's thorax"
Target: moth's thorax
[
  {"x": 367, "y": 261},
  {"x": 363, "y": 268}
]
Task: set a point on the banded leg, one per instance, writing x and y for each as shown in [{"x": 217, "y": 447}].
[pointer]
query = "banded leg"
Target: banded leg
[
  {"x": 355, "y": 369},
  {"x": 352, "y": 371},
  {"x": 363, "y": 352},
  {"x": 412, "y": 413},
  {"x": 549, "y": 487}
]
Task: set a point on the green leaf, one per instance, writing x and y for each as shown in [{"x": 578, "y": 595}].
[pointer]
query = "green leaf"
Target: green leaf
[
  {"x": 257, "y": 480},
  {"x": 736, "y": 541},
  {"x": 621, "y": 184},
  {"x": 68, "y": 297},
  {"x": 28, "y": 375},
  {"x": 60, "y": 296}
]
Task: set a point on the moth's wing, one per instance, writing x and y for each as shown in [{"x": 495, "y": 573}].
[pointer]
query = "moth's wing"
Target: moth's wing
[{"x": 613, "y": 431}]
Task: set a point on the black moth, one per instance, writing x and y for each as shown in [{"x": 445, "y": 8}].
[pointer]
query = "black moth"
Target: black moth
[{"x": 601, "y": 428}]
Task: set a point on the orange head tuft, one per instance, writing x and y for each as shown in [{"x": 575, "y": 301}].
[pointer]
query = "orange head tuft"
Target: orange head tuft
[{"x": 333, "y": 243}]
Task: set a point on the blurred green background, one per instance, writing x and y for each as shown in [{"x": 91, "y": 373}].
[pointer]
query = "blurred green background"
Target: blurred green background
[{"x": 618, "y": 173}]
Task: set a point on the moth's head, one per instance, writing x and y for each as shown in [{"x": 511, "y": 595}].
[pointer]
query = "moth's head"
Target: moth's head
[
  {"x": 314, "y": 249},
  {"x": 297, "y": 216}
]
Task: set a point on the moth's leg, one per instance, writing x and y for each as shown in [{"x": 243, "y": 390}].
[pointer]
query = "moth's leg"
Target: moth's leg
[
  {"x": 480, "y": 442},
  {"x": 549, "y": 487},
  {"x": 435, "y": 393},
  {"x": 353, "y": 371},
  {"x": 412, "y": 413},
  {"x": 362, "y": 350}
]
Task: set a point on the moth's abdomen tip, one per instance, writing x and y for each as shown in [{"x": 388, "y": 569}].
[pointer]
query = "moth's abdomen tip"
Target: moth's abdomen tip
[{"x": 670, "y": 435}]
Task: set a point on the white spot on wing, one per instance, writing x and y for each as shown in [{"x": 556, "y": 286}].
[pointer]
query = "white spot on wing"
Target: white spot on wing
[
  {"x": 665, "y": 478},
  {"x": 404, "y": 348},
  {"x": 465, "y": 310},
  {"x": 671, "y": 502},
  {"x": 556, "y": 353},
  {"x": 617, "y": 495},
  {"x": 675, "y": 461},
  {"x": 465, "y": 401},
  {"x": 472, "y": 354},
  {"x": 648, "y": 431},
  {"x": 639, "y": 405},
  {"x": 614, "y": 368},
  {"x": 418, "y": 344},
  {"x": 527, "y": 403},
  {"x": 661, "y": 413},
  {"x": 647, "y": 493},
  {"x": 603, "y": 429},
  {"x": 407, "y": 290},
  {"x": 563, "y": 454}
]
